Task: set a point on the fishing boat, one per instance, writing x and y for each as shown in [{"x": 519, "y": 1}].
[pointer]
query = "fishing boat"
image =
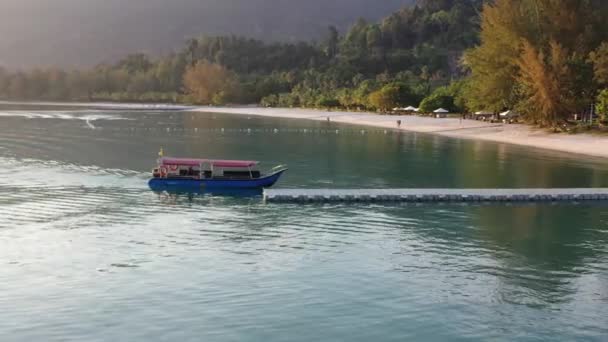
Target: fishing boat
[{"x": 210, "y": 174}]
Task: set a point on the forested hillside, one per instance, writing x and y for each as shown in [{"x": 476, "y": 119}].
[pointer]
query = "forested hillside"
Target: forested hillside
[
  {"x": 547, "y": 59},
  {"x": 417, "y": 45},
  {"x": 83, "y": 33}
]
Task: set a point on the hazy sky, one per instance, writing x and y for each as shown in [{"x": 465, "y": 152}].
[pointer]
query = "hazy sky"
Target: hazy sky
[{"x": 82, "y": 32}]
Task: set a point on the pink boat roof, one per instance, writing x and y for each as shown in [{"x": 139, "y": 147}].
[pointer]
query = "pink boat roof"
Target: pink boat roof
[{"x": 197, "y": 162}]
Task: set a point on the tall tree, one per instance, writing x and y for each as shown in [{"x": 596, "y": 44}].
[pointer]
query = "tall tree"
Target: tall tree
[
  {"x": 602, "y": 104},
  {"x": 332, "y": 40},
  {"x": 135, "y": 63},
  {"x": 493, "y": 63},
  {"x": 545, "y": 84},
  {"x": 208, "y": 83},
  {"x": 599, "y": 57},
  {"x": 533, "y": 55}
]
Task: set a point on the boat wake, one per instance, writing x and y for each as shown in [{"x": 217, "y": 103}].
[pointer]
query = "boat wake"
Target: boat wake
[
  {"x": 35, "y": 172},
  {"x": 88, "y": 116},
  {"x": 59, "y": 195},
  {"x": 102, "y": 105}
]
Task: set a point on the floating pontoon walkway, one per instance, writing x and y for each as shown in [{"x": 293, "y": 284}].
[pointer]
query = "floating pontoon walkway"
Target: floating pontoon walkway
[{"x": 432, "y": 195}]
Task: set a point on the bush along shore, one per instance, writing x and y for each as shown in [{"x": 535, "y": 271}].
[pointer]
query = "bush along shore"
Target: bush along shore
[{"x": 544, "y": 59}]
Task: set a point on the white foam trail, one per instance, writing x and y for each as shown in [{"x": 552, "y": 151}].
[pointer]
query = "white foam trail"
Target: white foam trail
[
  {"x": 58, "y": 174},
  {"x": 157, "y": 106},
  {"x": 64, "y": 115}
]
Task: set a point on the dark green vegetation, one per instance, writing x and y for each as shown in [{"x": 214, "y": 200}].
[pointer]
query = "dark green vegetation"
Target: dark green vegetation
[
  {"x": 547, "y": 59},
  {"x": 413, "y": 50}
]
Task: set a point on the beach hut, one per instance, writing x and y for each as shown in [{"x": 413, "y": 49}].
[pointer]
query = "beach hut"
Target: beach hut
[
  {"x": 399, "y": 110},
  {"x": 441, "y": 113},
  {"x": 408, "y": 109},
  {"x": 483, "y": 115},
  {"x": 509, "y": 116}
]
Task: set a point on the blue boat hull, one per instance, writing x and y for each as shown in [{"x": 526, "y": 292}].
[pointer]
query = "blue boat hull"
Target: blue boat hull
[{"x": 164, "y": 184}]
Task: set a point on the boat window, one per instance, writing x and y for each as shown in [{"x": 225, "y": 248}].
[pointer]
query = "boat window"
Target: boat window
[{"x": 242, "y": 174}]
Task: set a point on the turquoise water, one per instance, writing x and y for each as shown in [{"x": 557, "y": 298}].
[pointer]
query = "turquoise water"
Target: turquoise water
[{"x": 87, "y": 252}]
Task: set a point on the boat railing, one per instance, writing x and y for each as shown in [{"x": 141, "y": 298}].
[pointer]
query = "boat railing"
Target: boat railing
[{"x": 278, "y": 168}]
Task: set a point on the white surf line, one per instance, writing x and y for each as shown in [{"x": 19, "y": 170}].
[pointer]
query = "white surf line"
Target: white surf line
[
  {"x": 104, "y": 105},
  {"x": 90, "y": 124}
]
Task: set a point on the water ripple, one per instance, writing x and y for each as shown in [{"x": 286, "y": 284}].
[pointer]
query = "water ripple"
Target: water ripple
[{"x": 86, "y": 247}]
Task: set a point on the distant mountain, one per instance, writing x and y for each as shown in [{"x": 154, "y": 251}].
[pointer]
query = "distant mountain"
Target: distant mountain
[{"x": 85, "y": 32}]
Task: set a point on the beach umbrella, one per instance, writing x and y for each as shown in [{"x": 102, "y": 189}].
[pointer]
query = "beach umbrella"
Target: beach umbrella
[
  {"x": 483, "y": 113},
  {"x": 440, "y": 111},
  {"x": 411, "y": 109}
]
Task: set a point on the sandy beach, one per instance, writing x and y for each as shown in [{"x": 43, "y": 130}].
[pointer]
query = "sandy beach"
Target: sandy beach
[{"x": 583, "y": 144}]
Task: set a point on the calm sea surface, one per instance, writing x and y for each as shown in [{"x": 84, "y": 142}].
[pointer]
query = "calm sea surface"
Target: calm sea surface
[{"x": 89, "y": 253}]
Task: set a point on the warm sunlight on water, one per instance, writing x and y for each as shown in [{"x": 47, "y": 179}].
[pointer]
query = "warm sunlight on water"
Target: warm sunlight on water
[{"x": 87, "y": 252}]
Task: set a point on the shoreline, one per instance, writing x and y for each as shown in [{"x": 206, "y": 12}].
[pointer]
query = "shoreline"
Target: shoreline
[
  {"x": 518, "y": 134},
  {"x": 581, "y": 144}
]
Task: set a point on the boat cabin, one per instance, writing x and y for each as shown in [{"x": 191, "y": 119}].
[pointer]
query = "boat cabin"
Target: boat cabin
[{"x": 180, "y": 168}]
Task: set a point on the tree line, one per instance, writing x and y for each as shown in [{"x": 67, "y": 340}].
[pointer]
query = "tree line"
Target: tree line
[
  {"x": 544, "y": 58},
  {"x": 547, "y": 59}
]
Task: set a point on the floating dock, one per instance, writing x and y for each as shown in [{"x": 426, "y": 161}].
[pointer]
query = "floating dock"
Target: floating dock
[{"x": 433, "y": 195}]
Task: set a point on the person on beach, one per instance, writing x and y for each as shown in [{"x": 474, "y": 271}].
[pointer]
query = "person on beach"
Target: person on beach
[{"x": 398, "y": 123}]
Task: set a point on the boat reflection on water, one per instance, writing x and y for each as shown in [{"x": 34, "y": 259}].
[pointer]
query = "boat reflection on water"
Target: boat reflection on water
[{"x": 174, "y": 193}]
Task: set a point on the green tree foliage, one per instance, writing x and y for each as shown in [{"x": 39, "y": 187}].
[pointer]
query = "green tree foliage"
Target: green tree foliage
[
  {"x": 208, "y": 83},
  {"x": 418, "y": 46},
  {"x": 136, "y": 63},
  {"x": 440, "y": 98},
  {"x": 392, "y": 95},
  {"x": 545, "y": 83},
  {"x": 599, "y": 58},
  {"x": 327, "y": 102},
  {"x": 332, "y": 41},
  {"x": 452, "y": 98},
  {"x": 493, "y": 64},
  {"x": 602, "y": 104},
  {"x": 538, "y": 56},
  {"x": 383, "y": 99},
  {"x": 459, "y": 91}
]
